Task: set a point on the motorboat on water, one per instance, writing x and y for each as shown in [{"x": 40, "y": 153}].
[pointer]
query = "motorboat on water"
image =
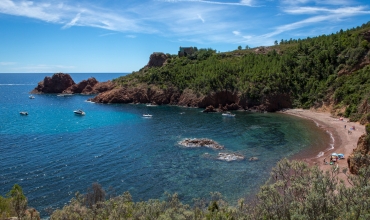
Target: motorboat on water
[
  {"x": 31, "y": 97},
  {"x": 79, "y": 112},
  {"x": 23, "y": 113},
  {"x": 147, "y": 115},
  {"x": 64, "y": 95},
  {"x": 151, "y": 105},
  {"x": 228, "y": 114}
]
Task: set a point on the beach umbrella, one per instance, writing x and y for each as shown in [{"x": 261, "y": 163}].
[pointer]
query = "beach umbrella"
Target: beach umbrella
[{"x": 334, "y": 154}]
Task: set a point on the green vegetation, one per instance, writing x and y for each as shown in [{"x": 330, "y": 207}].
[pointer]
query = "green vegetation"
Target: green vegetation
[
  {"x": 313, "y": 71},
  {"x": 15, "y": 204},
  {"x": 294, "y": 191}
]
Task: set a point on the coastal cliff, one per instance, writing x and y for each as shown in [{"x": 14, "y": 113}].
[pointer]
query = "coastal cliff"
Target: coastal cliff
[
  {"x": 223, "y": 100},
  {"x": 360, "y": 158}
]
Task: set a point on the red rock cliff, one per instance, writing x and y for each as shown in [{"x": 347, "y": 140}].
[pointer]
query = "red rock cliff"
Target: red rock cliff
[
  {"x": 63, "y": 83},
  {"x": 360, "y": 156},
  {"x": 224, "y": 100}
]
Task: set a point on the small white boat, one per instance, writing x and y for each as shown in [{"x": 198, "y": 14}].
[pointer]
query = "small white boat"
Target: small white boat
[
  {"x": 151, "y": 105},
  {"x": 64, "y": 95},
  {"x": 79, "y": 112},
  {"x": 147, "y": 116},
  {"x": 31, "y": 97},
  {"x": 228, "y": 114},
  {"x": 23, "y": 113}
]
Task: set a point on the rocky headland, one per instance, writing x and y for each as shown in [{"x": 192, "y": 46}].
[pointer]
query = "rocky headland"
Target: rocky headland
[
  {"x": 111, "y": 92},
  {"x": 63, "y": 83}
]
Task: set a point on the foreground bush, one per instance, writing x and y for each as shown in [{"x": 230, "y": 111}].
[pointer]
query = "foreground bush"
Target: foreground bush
[
  {"x": 294, "y": 191},
  {"x": 15, "y": 204}
]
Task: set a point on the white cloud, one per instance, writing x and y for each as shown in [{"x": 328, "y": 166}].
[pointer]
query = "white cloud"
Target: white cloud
[
  {"x": 240, "y": 3},
  {"x": 199, "y": 21},
  {"x": 200, "y": 17},
  {"x": 28, "y": 9},
  {"x": 130, "y": 36},
  {"x": 71, "y": 15},
  {"x": 318, "y": 2},
  {"x": 107, "y": 34},
  {"x": 246, "y": 2},
  {"x": 324, "y": 15},
  {"x": 316, "y": 10},
  {"x": 7, "y": 63},
  {"x": 73, "y": 22}
]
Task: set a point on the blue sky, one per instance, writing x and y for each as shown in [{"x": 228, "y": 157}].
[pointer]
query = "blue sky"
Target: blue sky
[{"x": 88, "y": 36}]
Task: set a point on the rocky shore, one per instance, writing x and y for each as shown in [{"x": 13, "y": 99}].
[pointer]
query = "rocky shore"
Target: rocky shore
[
  {"x": 109, "y": 92},
  {"x": 215, "y": 101}
]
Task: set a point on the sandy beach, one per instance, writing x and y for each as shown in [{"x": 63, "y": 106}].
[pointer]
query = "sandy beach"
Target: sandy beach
[{"x": 344, "y": 141}]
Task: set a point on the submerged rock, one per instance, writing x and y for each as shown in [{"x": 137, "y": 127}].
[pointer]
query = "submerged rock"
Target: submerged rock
[
  {"x": 230, "y": 156},
  {"x": 253, "y": 158},
  {"x": 202, "y": 142}
]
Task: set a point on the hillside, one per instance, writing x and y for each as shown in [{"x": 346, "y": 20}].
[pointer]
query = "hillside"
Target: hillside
[{"x": 328, "y": 71}]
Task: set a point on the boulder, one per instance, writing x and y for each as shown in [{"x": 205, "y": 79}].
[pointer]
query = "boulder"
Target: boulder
[{"x": 209, "y": 109}]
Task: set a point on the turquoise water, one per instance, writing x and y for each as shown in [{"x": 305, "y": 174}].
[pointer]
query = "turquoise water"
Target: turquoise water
[{"x": 53, "y": 153}]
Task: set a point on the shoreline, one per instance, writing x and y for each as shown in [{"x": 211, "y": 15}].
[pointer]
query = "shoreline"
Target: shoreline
[{"x": 342, "y": 141}]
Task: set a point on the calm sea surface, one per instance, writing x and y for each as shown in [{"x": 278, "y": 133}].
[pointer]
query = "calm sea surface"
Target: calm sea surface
[{"x": 53, "y": 153}]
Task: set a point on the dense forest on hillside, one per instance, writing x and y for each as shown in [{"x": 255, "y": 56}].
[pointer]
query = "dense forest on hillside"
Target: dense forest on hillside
[{"x": 328, "y": 69}]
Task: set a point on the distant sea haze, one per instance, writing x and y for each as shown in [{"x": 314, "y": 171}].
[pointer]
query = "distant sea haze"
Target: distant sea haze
[{"x": 53, "y": 153}]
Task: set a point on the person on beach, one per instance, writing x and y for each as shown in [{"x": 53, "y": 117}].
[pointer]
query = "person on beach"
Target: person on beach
[{"x": 345, "y": 126}]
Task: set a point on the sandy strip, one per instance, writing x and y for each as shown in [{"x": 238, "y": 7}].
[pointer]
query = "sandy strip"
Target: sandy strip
[{"x": 343, "y": 141}]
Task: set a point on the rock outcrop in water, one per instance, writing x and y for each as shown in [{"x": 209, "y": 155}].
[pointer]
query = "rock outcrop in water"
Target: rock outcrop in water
[
  {"x": 202, "y": 142},
  {"x": 230, "y": 156},
  {"x": 63, "y": 83},
  {"x": 55, "y": 84}
]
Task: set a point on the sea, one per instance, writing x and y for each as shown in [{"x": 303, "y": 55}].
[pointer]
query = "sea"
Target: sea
[{"x": 53, "y": 153}]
